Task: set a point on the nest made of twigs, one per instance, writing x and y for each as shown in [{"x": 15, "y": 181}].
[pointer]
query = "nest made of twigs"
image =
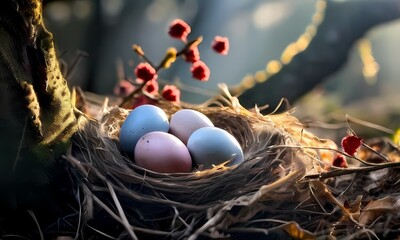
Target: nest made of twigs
[{"x": 283, "y": 189}]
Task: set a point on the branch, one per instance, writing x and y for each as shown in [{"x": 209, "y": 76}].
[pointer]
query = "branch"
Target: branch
[{"x": 344, "y": 23}]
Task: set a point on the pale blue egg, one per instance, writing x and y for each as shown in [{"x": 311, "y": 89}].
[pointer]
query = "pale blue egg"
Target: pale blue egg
[
  {"x": 211, "y": 145},
  {"x": 143, "y": 119}
]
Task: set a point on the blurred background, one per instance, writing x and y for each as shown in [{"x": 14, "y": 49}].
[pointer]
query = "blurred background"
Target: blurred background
[{"x": 259, "y": 32}]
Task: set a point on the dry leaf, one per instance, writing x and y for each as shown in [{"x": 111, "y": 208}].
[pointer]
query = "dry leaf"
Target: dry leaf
[{"x": 376, "y": 208}]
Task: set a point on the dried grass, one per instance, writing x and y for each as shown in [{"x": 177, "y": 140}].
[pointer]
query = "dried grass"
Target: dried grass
[{"x": 283, "y": 189}]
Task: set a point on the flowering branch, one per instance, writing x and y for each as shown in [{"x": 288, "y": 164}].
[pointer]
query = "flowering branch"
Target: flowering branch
[{"x": 146, "y": 72}]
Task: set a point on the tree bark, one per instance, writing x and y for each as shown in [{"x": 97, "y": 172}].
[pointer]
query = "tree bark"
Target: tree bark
[{"x": 36, "y": 112}]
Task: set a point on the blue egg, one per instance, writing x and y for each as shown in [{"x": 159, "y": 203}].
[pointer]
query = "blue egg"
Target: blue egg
[
  {"x": 142, "y": 120},
  {"x": 211, "y": 145}
]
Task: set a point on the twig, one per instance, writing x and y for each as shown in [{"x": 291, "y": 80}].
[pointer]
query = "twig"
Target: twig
[
  {"x": 139, "y": 51},
  {"x": 121, "y": 212},
  {"x": 326, "y": 148},
  {"x": 340, "y": 172},
  {"x": 210, "y": 223},
  {"x": 104, "y": 234},
  {"x": 80, "y": 216},
  {"x": 351, "y": 119},
  {"x": 37, "y": 223}
]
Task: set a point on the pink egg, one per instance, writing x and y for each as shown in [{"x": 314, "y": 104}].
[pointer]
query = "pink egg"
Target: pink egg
[{"x": 162, "y": 152}]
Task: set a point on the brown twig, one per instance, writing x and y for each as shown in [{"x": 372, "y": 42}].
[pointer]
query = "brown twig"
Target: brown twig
[{"x": 341, "y": 172}]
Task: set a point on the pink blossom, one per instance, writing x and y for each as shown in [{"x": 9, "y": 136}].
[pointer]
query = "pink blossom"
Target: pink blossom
[
  {"x": 151, "y": 87},
  {"x": 145, "y": 72},
  {"x": 200, "y": 71},
  {"x": 179, "y": 29},
  {"x": 192, "y": 54},
  {"x": 221, "y": 45},
  {"x": 124, "y": 88},
  {"x": 171, "y": 93}
]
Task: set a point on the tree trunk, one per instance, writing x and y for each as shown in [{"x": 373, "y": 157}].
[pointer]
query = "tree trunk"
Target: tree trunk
[{"x": 36, "y": 112}]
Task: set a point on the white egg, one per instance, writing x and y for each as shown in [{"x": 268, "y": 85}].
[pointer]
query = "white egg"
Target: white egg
[
  {"x": 143, "y": 119},
  {"x": 211, "y": 146},
  {"x": 184, "y": 122}
]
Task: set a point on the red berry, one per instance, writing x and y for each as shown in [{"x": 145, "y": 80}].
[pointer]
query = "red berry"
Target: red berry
[
  {"x": 350, "y": 144},
  {"x": 221, "y": 45},
  {"x": 145, "y": 72},
  {"x": 171, "y": 93},
  {"x": 200, "y": 71},
  {"x": 179, "y": 29},
  {"x": 192, "y": 54},
  {"x": 340, "y": 161},
  {"x": 151, "y": 87}
]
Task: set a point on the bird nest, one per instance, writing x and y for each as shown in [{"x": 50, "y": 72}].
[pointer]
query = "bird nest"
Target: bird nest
[{"x": 286, "y": 187}]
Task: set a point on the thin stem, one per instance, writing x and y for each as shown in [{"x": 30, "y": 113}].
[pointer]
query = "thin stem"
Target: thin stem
[
  {"x": 340, "y": 172},
  {"x": 127, "y": 98},
  {"x": 193, "y": 43},
  {"x": 139, "y": 51}
]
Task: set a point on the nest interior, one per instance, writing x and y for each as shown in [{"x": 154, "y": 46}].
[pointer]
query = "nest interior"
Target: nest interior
[{"x": 284, "y": 188}]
